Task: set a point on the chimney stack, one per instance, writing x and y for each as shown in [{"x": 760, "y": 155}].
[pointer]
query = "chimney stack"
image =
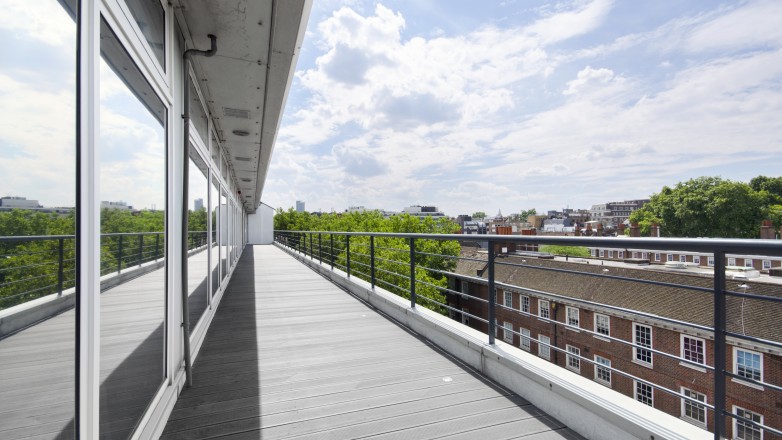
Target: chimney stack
[
  {"x": 589, "y": 230},
  {"x": 767, "y": 230},
  {"x": 635, "y": 231},
  {"x": 654, "y": 230},
  {"x": 578, "y": 231},
  {"x": 621, "y": 229},
  {"x": 599, "y": 232}
]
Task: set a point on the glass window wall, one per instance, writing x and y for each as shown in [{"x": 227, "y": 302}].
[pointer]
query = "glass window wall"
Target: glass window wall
[
  {"x": 214, "y": 244},
  {"x": 38, "y": 190},
  {"x": 151, "y": 20},
  {"x": 133, "y": 236},
  {"x": 198, "y": 238}
]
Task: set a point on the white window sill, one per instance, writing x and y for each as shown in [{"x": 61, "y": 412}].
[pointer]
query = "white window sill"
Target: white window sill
[
  {"x": 601, "y": 338},
  {"x": 643, "y": 364},
  {"x": 697, "y": 423},
  {"x": 693, "y": 367},
  {"x": 574, "y": 369},
  {"x": 749, "y": 384},
  {"x": 602, "y": 382},
  {"x": 572, "y": 329}
]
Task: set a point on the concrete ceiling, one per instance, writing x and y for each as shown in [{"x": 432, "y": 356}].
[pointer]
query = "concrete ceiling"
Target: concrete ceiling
[{"x": 246, "y": 83}]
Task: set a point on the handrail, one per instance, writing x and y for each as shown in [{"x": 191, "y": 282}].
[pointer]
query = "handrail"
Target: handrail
[{"x": 398, "y": 280}]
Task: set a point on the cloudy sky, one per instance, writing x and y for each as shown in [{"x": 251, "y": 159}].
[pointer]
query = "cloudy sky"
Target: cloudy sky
[{"x": 525, "y": 104}]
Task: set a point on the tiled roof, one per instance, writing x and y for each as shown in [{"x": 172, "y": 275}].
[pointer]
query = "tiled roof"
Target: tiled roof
[{"x": 760, "y": 318}]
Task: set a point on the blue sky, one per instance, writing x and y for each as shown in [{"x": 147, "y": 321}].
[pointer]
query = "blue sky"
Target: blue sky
[{"x": 482, "y": 106}]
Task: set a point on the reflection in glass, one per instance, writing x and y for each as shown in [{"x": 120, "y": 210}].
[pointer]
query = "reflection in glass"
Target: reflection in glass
[
  {"x": 38, "y": 169},
  {"x": 133, "y": 190},
  {"x": 214, "y": 204},
  {"x": 151, "y": 19},
  {"x": 198, "y": 259},
  {"x": 225, "y": 229},
  {"x": 197, "y": 113}
]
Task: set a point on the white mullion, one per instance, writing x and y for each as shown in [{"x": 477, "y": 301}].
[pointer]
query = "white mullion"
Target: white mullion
[{"x": 89, "y": 219}]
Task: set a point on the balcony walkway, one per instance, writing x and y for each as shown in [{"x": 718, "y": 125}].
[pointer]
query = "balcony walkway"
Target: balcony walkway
[{"x": 290, "y": 355}]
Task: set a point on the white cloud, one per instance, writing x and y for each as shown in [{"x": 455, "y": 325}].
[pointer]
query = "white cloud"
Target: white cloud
[
  {"x": 46, "y": 22},
  {"x": 589, "y": 77}
]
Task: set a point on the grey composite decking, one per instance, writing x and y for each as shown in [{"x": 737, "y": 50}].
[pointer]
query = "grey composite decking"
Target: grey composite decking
[{"x": 290, "y": 355}]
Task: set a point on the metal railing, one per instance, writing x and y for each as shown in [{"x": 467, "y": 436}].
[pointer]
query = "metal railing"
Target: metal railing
[
  {"x": 395, "y": 263},
  {"x": 35, "y": 266}
]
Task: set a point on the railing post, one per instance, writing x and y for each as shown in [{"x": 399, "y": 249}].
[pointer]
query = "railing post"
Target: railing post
[
  {"x": 320, "y": 249},
  {"x": 412, "y": 272},
  {"x": 312, "y": 255},
  {"x": 60, "y": 265},
  {"x": 140, "y": 248},
  {"x": 119, "y": 260},
  {"x": 347, "y": 254},
  {"x": 720, "y": 349},
  {"x": 492, "y": 296},
  {"x": 372, "y": 259},
  {"x": 332, "y": 252},
  {"x": 157, "y": 245}
]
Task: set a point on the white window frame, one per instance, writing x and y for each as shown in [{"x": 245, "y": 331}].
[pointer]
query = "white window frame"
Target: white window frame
[
  {"x": 637, "y": 351},
  {"x": 572, "y": 317},
  {"x": 524, "y": 303},
  {"x": 601, "y": 362},
  {"x": 572, "y": 361},
  {"x": 642, "y": 397},
  {"x": 544, "y": 351},
  {"x": 710, "y": 261},
  {"x": 508, "y": 299},
  {"x": 507, "y": 332},
  {"x": 544, "y": 305},
  {"x": 766, "y": 264},
  {"x": 747, "y": 415},
  {"x": 731, "y": 261},
  {"x": 465, "y": 318},
  {"x": 602, "y": 253},
  {"x": 621, "y": 255},
  {"x": 599, "y": 329},
  {"x": 736, "y": 351},
  {"x": 645, "y": 255},
  {"x": 748, "y": 262},
  {"x": 656, "y": 256},
  {"x": 594, "y": 252},
  {"x": 683, "y": 352},
  {"x": 525, "y": 341},
  {"x": 696, "y": 407},
  {"x": 611, "y": 254},
  {"x": 682, "y": 258},
  {"x": 669, "y": 257},
  {"x": 696, "y": 259}
]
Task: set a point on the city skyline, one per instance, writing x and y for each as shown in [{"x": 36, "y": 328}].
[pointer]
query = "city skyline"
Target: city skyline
[{"x": 480, "y": 107}]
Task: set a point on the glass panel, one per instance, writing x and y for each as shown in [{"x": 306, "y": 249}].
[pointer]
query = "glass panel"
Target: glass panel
[
  {"x": 214, "y": 244},
  {"x": 151, "y": 19},
  {"x": 38, "y": 189},
  {"x": 198, "y": 259},
  {"x": 133, "y": 194},
  {"x": 225, "y": 223},
  {"x": 198, "y": 117}
]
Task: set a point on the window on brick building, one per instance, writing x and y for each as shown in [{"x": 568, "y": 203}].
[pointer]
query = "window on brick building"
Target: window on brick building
[
  {"x": 642, "y": 338},
  {"x": 594, "y": 252},
  {"x": 693, "y": 349},
  {"x": 731, "y": 261},
  {"x": 621, "y": 254},
  {"x": 670, "y": 257},
  {"x": 710, "y": 261},
  {"x": 696, "y": 259},
  {"x": 524, "y": 341},
  {"x": 572, "y": 317},
  {"x": 748, "y": 364},
  {"x": 644, "y": 393},
  {"x": 692, "y": 411},
  {"x": 524, "y": 301},
  {"x": 602, "y": 253},
  {"x": 748, "y": 262},
  {"x": 746, "y": 431},
  {"x": 543, "y": 309},
  {"x": 508, "y": 332},
  {"x": 602, "y": 374},
  {"x": 682, "y": 258},
  {"x": 610, "y": 254},
  {"x": 657, "y": 256},
  {"x": 573, "y": 361},
  {"x": 645, "y": 255},
  {"x": 509, "y": 299},
  {"x": 602, "y": 324},
  {"x": 544, "y": 351},
  {"x": 766, "y": 264}
]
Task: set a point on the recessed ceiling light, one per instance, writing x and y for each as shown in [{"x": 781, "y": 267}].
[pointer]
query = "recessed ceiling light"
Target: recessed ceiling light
[
  {"x": 242, "y": 158},
  {"x": 241, "y": 132},
  {"x": 244, "y": 179}
]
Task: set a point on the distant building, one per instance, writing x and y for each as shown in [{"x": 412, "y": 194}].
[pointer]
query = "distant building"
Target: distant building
[
  {"x": 115, "y": 205},
  {"x": 299, "y": 205},
  {"x": 198, "y": 204},
  {"x": 615, "y": 213},
  {"x": 423, "y": 212},
  {"x": 475, "y": 227},
  {"x": 558, "y": 225},
  {"x": 461, "y": 219},
  {"x": 18, "y": 202}
]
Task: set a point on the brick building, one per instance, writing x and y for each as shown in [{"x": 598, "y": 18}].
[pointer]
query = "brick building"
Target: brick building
[{"x": 588, "y": 316}]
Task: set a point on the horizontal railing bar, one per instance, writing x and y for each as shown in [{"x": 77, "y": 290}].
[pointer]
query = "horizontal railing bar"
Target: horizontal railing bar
[
  {"x": 754, "y": 296},
  {"x": 753, "y": 339},
  {"x": 753, "y": 423}
]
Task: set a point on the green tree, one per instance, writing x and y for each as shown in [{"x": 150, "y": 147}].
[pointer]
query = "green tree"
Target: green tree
[
  {"x": 705, "y": 207},
  {"x": 772, "y": 185},
  {"x": 480, "y": 215},
  {"x": 571, "y": 251},
  {"x": 525, "y": 213}
]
